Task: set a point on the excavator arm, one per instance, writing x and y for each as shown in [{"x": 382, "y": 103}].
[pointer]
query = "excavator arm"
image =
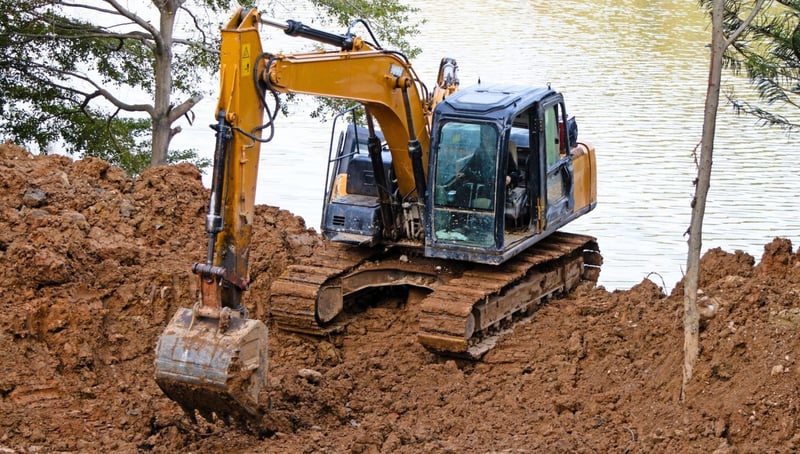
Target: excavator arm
[{"x": 212, "y": 359}]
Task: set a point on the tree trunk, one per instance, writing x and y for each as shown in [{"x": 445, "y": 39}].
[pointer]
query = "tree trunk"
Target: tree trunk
[
  {"x": 162, "y": 131},
  {"x": 691, "y": 318}
]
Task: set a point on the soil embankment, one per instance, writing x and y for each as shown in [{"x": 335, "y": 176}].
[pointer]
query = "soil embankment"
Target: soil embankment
[{"x": 94, "y": 263}]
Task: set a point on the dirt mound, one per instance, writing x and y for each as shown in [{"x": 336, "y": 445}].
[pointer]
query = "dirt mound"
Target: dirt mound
[{"x": 94, "y": 263}]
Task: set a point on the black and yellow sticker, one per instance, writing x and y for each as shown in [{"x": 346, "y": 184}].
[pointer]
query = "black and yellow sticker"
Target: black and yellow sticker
[{"x": 246, "y": 68}]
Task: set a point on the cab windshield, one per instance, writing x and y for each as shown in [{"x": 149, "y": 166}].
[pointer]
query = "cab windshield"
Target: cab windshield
[{"x": 465, "y": 183}]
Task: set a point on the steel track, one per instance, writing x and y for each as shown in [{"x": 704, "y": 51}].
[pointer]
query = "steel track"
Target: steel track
[{"x": 469, "y": 304}]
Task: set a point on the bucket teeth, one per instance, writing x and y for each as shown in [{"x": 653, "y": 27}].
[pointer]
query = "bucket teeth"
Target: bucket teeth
[{"x": 211, "y": 372}]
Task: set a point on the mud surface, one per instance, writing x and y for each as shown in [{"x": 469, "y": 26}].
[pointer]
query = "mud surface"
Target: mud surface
[{"x": 93, "y": 264}]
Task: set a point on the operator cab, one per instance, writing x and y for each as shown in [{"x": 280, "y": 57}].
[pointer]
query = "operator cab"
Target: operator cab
[
  {"x": 501, "y": 175},
  {"x": 351, "y": 212}
]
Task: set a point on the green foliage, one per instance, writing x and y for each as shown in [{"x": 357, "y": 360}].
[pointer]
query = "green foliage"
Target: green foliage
[
  {"x": 120, "y": 141},
  {"x": 58, "y": 72},
  {"x": 66, "y": 67},
  {"x": 123, "y": 142},
  {"x": 768, "y": 53},
  {"x": 390, "y": 21},
  {"x": 189, "y": 156}
]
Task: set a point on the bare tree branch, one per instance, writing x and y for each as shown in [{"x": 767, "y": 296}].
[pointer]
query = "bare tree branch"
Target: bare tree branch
[
  {"x": 83, "y": 6},
  {"x": 94, "y": 31},
  {"x": 196, "y": 23},
  {"x": 184, "y": 107},
  {"x": 87, "y": 96},
  {"x": 136, "y": 19},
  {"x": 144, "y": 38},
  {"x": 189, "y": 43},
  {"x": 743, "y": 26},
  {"x": 138, "y": 36},
  {"x": 98, "y": 90}
]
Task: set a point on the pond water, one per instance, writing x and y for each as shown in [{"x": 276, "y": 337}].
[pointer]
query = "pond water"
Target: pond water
[{"x": 634, "y": 74}]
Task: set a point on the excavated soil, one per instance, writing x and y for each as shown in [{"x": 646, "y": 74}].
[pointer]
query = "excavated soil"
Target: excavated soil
[{"x": 94, "y": 263}]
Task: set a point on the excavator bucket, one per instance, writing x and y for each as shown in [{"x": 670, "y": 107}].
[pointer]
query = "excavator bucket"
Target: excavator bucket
[{"x": 211, "y": 367}]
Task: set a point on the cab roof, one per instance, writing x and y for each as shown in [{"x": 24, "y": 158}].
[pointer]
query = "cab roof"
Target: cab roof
[{"x": 494, "y": 100}]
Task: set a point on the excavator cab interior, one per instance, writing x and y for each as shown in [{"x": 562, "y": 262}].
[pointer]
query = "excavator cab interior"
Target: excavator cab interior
[
  {"x": 351, "y": 212},
  {"x": 523, "y": 188}
]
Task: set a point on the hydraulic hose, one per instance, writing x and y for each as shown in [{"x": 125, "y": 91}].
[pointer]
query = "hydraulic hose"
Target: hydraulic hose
[{"x": 214, "y": 216}]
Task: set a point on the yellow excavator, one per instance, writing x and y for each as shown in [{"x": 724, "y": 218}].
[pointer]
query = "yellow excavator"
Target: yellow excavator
[{"x": 457, "y": 191}]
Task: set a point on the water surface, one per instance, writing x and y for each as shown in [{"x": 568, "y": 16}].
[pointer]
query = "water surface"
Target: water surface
[{"x": 634, "y": 74}]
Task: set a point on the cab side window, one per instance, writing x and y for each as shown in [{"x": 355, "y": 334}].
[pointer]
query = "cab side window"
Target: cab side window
[
  {"x": 558, "y": 177},
  {"x": 551, "y": 135}
]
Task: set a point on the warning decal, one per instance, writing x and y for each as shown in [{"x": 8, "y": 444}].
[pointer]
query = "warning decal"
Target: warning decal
[{"x": 246, "y": 68}]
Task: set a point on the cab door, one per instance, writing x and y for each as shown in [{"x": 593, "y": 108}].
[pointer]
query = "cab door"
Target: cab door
[{"x": 557, "y": 165}]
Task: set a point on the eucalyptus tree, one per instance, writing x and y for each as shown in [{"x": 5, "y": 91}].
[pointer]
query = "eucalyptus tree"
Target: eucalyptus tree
[
  {"x": 111, "y": 79},
  {"x": 724, "y": 14}
]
